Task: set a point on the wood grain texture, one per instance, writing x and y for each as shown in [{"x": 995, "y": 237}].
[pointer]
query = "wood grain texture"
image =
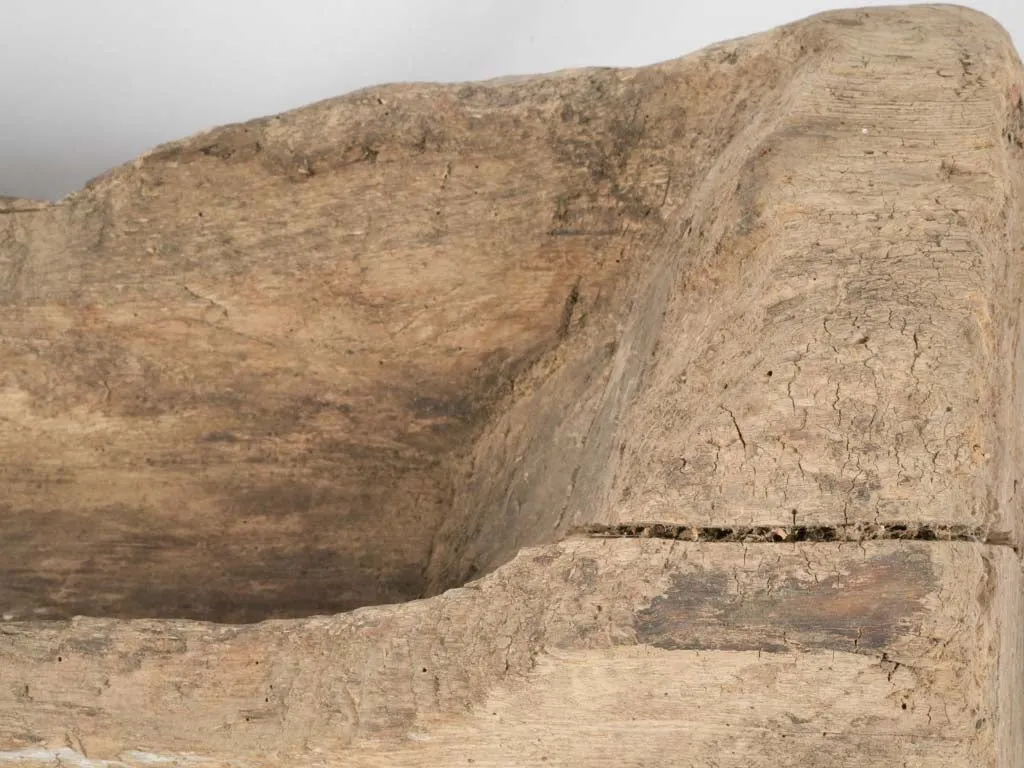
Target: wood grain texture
[
  {"x": 589, "y": 652},
  {"x": 400, "y": 344},
  {"x": 361, "y": 352}
]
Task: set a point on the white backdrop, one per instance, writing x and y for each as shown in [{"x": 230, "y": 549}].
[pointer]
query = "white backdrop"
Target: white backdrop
[{"x": 88, "y": 84}]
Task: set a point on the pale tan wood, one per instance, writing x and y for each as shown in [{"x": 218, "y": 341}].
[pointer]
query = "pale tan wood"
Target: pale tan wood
[
  {"x": 360, "y": 352},
  {"x": 591, "y": 652},
  {"x": 368, "y": 350}
]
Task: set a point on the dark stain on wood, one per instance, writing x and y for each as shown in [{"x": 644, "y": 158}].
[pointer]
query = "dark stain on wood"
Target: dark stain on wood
[{"x": 865, "y": 607}]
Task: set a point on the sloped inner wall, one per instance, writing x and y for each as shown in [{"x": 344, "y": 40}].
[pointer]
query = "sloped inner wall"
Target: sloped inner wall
[
  {"x": 353, "y": 354},
  {"x": 364, "y": 351}
]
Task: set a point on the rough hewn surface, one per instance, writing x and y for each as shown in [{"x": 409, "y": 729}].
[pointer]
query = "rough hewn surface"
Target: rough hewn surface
[
  {"x": 603, "y": 653},
  {"x": 363, "y": 351},
  {"x": 368, "y": 350},
  {"x": 270, "y": 351}
]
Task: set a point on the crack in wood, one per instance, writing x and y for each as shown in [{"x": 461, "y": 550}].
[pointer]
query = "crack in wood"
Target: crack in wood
[{"x": 778, "y": 534}]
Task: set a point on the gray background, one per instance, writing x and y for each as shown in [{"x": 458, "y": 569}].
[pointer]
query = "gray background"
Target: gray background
[{"x": 88, "y": 84}]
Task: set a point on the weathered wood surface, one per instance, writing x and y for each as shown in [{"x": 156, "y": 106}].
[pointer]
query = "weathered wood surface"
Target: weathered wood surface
[
  {"x": 252, "y": 369},
  {"x": 360, "y": 352},
  {"x": 370, "y": 349},
  {"x": 590, "y": 652}
]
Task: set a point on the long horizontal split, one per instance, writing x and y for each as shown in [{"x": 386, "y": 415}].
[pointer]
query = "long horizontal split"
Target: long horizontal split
[{"x": 778, "y": 534}]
